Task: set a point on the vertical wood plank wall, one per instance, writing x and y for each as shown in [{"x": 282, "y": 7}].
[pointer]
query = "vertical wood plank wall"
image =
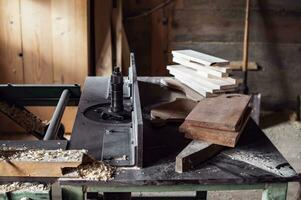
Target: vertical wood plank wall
[{"x": 52, "y": 35}]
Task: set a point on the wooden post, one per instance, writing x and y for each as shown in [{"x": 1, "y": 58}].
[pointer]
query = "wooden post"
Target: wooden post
[{"x": 246, "y": 47}]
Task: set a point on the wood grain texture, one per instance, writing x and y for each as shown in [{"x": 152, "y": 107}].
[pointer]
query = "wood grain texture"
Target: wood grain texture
[
  {"x": 215, "y": 136},
  {"x": 70, "y": 41},
  {"x": 11, "y": 66},
  {"x": 103, "y": 37},
  {"x": 223, "y": 112},
  {"x": 36, "y": 41}
]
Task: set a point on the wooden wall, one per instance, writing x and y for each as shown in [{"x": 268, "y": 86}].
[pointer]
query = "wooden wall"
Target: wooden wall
[
  {"x": 216, "y": 27},
  {"x": 44, "y": 41}
]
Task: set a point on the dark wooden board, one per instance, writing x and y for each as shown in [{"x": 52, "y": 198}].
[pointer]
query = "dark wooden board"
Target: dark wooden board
[
  {"x": 215, "y": 136},
  {"x": 223, "y": 112}
]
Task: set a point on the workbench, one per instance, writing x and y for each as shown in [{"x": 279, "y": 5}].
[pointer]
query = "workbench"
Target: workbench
[{"x": 254, "y": 164}]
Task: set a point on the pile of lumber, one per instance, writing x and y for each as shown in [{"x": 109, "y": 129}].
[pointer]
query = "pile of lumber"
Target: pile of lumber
[
  {"x": 207, "y": 75},
  {"x": 219, "y": 120}
]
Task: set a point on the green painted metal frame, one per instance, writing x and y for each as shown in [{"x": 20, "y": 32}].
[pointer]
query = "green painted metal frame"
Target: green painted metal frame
[
  {"x": 17, "y": 195},
  {"x": 271, "y": 191}
]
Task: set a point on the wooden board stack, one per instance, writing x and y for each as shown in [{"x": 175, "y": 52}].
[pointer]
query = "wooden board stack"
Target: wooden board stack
[
  {"x": 207, "y": 75},
  {"x": 219, "y": 120}
]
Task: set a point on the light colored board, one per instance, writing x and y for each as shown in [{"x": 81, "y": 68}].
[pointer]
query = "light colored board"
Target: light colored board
[
  {"x": 103, "y": 37},
  {"x": 199, "y": 57},
  {"x": 197, "y": 66},
  {"x": 205, "y": 71},
  {"x": 11, "y": 67},
  {"x": 211, "y": 82},
  {"x": 224, "y": 112},
  {"x": 175, "y": 84},
  {"x": 36, "y": 41}
]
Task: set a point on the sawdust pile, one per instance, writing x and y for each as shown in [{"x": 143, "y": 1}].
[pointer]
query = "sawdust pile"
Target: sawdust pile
[
  {"x": 21, "y": 187},
  {"x": 96, "y": 171},
  {"x": 43, "y": 155}
]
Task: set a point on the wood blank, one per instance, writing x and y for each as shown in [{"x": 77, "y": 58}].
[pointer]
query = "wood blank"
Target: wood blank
[
  {"x": 224, "y": 112},
  {"x": 201, "y": 58}
]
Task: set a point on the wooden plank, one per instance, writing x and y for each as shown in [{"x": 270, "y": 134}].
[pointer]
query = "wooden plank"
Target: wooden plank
[
  {"x": 36, "y": 41},
  {"x": 174, "y": 84},
  {"x": 176, "y": 110},
  {"x": 209, "y": 82},
  {"x": 223, "y": 112},
  {"x": 10, "y": 42},
  {"x": 195, "y": 153},
  {"x": 202, "y": 70},
  {"x": 215, "y": 136},
  {"x": 103, "y": 37},
  {"x": 199, "y": 57}
]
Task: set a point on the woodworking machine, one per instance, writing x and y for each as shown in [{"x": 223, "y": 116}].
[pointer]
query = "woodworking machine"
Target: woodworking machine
[{"x": 112, "y": 122}]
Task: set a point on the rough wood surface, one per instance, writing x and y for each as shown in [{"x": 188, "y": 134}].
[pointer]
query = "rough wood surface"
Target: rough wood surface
[
  {"x": 223, "y": 112},
  {"x": 215, "y": 136},
  {"x": 196, "y": 152}
]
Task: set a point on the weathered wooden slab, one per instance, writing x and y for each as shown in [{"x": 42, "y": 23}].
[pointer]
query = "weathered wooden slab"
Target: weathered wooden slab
[
  {"x": 201, "y": 58},
  {"x": 196, "y": 152},
  {"x": 224, "y": 112},
  {"x": 215, "y": 136}
]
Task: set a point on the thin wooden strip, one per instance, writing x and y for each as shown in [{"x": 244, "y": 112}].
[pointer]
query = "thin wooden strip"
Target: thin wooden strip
[
  {"x": 215, "y": 83},
  {"x": 206, "y": 71},
  {"x": 201, "y": 58}
]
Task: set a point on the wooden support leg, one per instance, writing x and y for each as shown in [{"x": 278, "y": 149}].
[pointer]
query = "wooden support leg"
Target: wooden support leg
[
  {"x": 72, "y": 192},
  {"x": 117, "y": 196},
  {"x": 201, "y": 195},
  {"x": 275, "y": 191}
]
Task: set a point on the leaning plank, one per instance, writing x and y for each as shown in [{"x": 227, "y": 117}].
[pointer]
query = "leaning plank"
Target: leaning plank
[
  {"x": 40, "y": 163},
  {"x": 224, "y": 112},
  {"x": 215, "y": 136},
  {"x": 202, "y": 70},
  {"x": 195, "y": 152},
  {"x": 201, "y": 58},
  {"x": 177, "y": 85}
]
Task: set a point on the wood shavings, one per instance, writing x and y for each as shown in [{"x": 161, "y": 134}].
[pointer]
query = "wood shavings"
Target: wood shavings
[
  {"x": 96, "y": 171},
  {"x": 43, "y": 155},
  {"x": 21, "y": 187}
]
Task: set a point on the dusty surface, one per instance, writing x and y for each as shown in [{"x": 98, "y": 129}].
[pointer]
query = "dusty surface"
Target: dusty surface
[
  {"x": 21, "y": 187},
  {"x": 96, "y": 171},
  {"x": 43, "y": 155}
]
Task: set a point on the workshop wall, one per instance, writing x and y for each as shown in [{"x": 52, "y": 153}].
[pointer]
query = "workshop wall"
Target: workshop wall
[
  {"x": 216, "y": 27},
  {"x": 44, "y": 41}
]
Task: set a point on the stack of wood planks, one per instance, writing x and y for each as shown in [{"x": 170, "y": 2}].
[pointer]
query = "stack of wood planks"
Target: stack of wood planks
[
  {"x": 207, "y": 75},
  {"x": 219, "y": 120}
]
